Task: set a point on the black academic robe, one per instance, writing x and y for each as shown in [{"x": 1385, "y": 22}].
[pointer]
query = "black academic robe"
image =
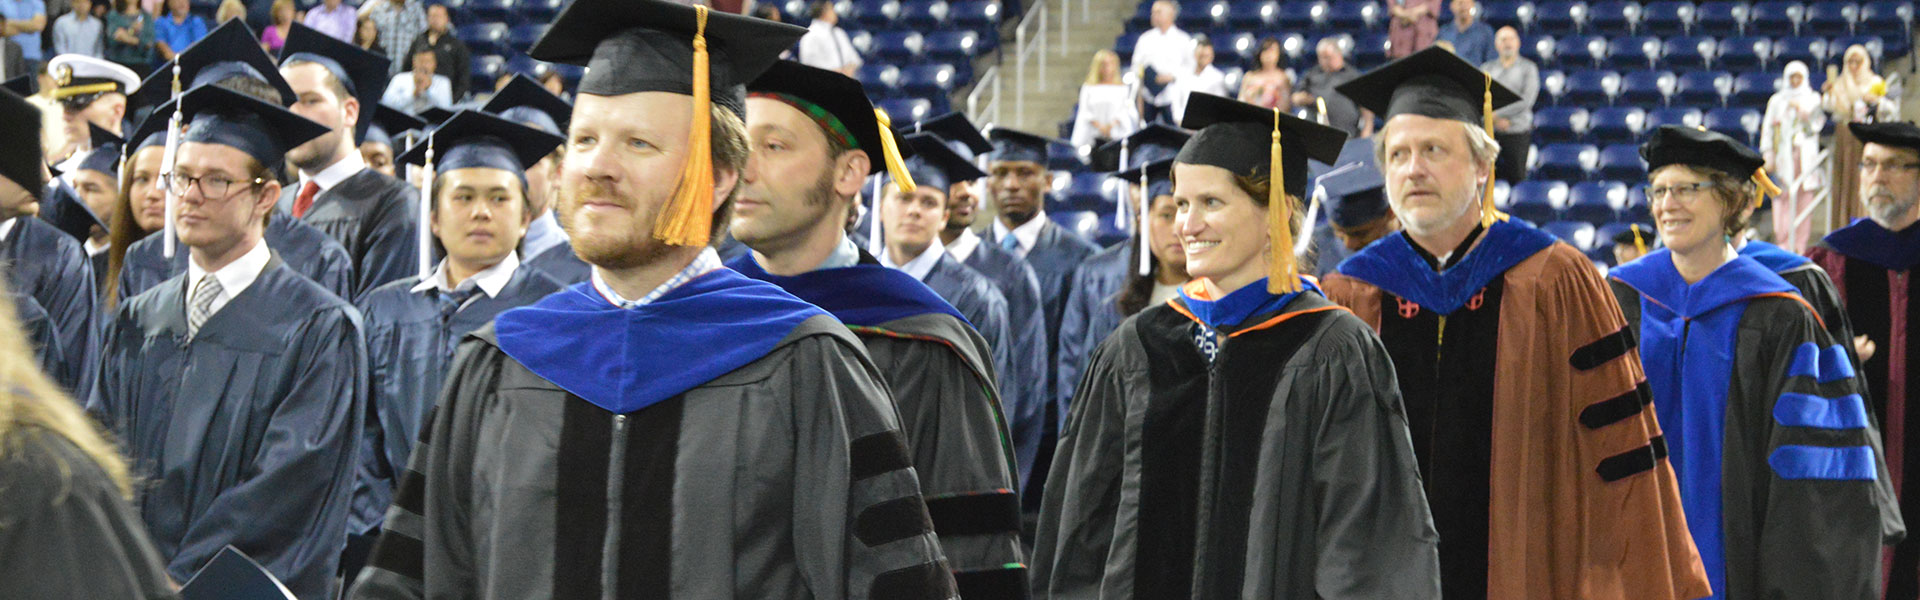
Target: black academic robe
[
  {"x": 53, "y": 269},
  {"x": 410, "y": 341},
  {"x": 1811, "y": 282},
  {"x": 65, "y": 531},
  {"x": 1282, "y": 469},
  {"x": 374, "y": 217},
  {"x": 561, "y": 264},
  {"x": 247, "y": 432},
  {"x": 1027, "y": 384},
  {"x": 1090, "y": 315},
  {"x": 1780, "y": 468},
  {"x": 305, "y": 249},
  {"x": 985, "y": 308}
]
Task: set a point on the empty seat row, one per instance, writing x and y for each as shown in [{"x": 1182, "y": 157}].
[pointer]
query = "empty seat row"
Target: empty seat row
[{"x": 1595, "y": 88}]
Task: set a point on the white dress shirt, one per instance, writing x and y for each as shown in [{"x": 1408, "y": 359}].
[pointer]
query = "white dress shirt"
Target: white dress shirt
[
  {"x": 350, "y": 164},
  {"x": 1208, "y": 81},
  {"x": 490, "y": 280},
  {"x": 921, "y": 265},
  {"x": 1027, "y": 233},
  {"x": 234, "y": 278},
  {"x": 826, "y": 46},
  {"x": 1169, "y": 52},
  {"x": 701, "y": 265},
  {"x": 963, "y": 246},
  {"x": 6, "y": 227}
]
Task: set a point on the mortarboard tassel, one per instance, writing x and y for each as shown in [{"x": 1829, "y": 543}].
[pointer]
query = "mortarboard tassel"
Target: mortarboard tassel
[
  {"x": 688, "y": 218},
  {"x": 1120, "y": 206},
  {"x": 890, "y": 150},
  {"x": 1281, "y": 277},
  {"x": 1145, "y": 202},
  {"x": 426, "y": 213},
  {"x": 1488, "y": 213},
  {"x": 1639, "y": 243},
  {"x": 166, "y": 166},
  {"x": 1763, "y": 186}
]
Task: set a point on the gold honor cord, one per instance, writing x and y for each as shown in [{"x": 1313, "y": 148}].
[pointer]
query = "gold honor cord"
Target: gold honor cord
[
  {"x": 890, "y": 151},
  {"x": 1281, "y": 276},
  {"x": 688, "y": 218}
]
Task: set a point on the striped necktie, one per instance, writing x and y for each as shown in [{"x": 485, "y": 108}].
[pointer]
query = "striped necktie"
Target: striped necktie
[{"x": 200, "y": 307}]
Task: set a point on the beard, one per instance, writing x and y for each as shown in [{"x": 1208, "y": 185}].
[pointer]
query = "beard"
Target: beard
[
  {"x": 816, "y": 206},
  {"x": 625, "y": 249},
  {"x": 1889, "y": 211}
]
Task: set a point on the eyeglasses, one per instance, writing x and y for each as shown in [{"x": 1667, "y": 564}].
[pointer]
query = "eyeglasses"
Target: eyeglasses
[
  {"x": 212, "y": 186},
  {"x": 1871, "y": 166},
  {"x": 1682, "y": 192}
]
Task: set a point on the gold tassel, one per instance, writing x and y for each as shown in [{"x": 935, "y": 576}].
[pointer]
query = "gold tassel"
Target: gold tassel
[
  {"x": 890, "y": 149},
  {"x": 1281, "y": 275},
  {"x": 1488, "y": 213},
  {"x": 1763, "y": 186},
  {"x": 688, "y": 218},
  {"x": 1639, "y": 243}
]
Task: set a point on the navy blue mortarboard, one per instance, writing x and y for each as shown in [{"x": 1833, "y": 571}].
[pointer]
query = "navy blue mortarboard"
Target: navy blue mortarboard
[
  {"x": 1151, "y": 143},
  {"x": 65, "y": 210},
  {"x": 1898, "y": 134},
  {"x": 525, "y": 101},
  {"x": 1018, "y": 146},
  {"x": 633, "y": 46},
  {"x": 931, "y": 163},
  {"x": 264, "y": 131},
  {"x": 389, "y": 122},
  {"x": 435, "y": 115},
  {"x": 232, "y": 50},
  {"x": 954, "y": 128},
  {"x": 105, "y": 156},
  {"x": 363, "y": 73},
  {"x": 839, "y": 104},
  {"x": 231, "y": 575},
  {"x": 476, "y": 139},
  {"x": 152, "y": 130},
  {"x": 22, "y": 161},
  {"x": 1356, "y": 195},
  {"x": 23, "y": 86},
  {"x": 1159, "y": 177}
]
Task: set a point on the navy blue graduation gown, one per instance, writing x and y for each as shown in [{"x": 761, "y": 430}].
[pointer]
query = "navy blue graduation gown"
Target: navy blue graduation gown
[
  {"x": 374, "y": 217},
  {"x": 1027, "y": 384},
  {"x": 986, "y": 310},
  {"x": 410, "y": 343},
  {"x": 1055, "y": 255},
  {"x": 247, "y": 433},
  {"x": 1780, "y": 467},
  {"x": 305, "y": 249},
  {"x": 39, "y": 330},
  {"x": 49, "y": 266},
  {"x": 561, "y": 264},
  {"x": 1090, "y": 315}
]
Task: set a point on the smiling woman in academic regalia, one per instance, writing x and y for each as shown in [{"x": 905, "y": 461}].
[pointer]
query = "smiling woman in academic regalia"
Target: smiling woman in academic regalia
[
  {"x": 1246, "y": 438},
  {"x": 1781, "y": 473}
]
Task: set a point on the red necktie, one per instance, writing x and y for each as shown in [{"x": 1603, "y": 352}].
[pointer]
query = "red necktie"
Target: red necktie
[{"x": 304, "y": 202}]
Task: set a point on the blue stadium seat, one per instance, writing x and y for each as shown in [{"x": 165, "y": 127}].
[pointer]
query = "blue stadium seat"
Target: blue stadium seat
[
  {"x": 924, "y": 15},
  {"x": 521, "y": 63},
  {"x": 1775, "y": 18},
  {"x": 1202, "y": 16},
  {"x": 1590, "y": 88},
  {"x": 1689, "y": 52},
  {"x": 1574, "y": 51},
  {"x": 897, "y": 45},
  {"x": 485, "y": 69},
  {"x": 952, "y": 45},
  {"x": 1668, "y": 17},
  {"x": 1369, "y": 50},
  {"x": 1645, "y": 88},
  {"x": 1596, "y": 202},
  {"x": 978, "y": 15},
  {"x": 1556, "y": 124},
  {"x": 1540, "y": 49},
  {"x": 485, "y": 38},
  {"x": 1560, "y": 16},
  {"x": 1567, "y": 162},
  {"x": 927, "y": 80},
  {"x": 1123, "y": 44},
  {"x": 1350, "y": 15},
  {"x": 1738, "y": 123},
  {"x": 1574, "y": 233},
  {"x": 1554, "y": 85},
  {"x": 1745, "y": 53},
  {"x": 541, "y": 11},
  {"x": 1837, "y": 50},
  {"x": 493, "y": 10},
  {"x": 1887, "y": 19},
  {"x": 1239, "y": 47},
  {"x": 1295, "y": 15},
  {"x": 872, "y": 15},
  {"x": 907, "y": 110},
  {"x": 1616, "y": 124},
  {"x": 1084, "y": 222},
  {"x": 1537, "y": 201},
  {"x": 1085, "y": 191},
  {"x": 1505, "y": 13},
  {"x": 1637, "y": 210},
  {"x": 880, "y": 79},
  {"x": 1678, "y": 117},
  {"x": 1829, "y": 17},
  {"x": 1614, "y": 16},
  {"x": 1810, "y": 50},
  {"x": 1703, "y": 88},
  {"x": 1721, "y": 16},
  {"x": 1253, "y": 14},
  {"x": 524, "y": 36},
  {"x": 1634, "y": 52},
  {"x": 1622, "y": 162},
  {"x": 1603, "y": 235},
  {"x": 1752, "y": 89}
]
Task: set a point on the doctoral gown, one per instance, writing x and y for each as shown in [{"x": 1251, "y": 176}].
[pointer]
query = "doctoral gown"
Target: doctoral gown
[
  {"x": 410, "y": 342},
  {"x": 937, "y": 368},
  {"x": 1779, "y": 464},
  {"x": 1873, "y": 269},
  {"x": 561, "y": 264},
  {"x": 1280, "y": 468},
  {"x": 305, "y": 250},
  {"x": 768, "y": 466},
  {"x": 374, "y": 217},
  {"x": 1090, "y": 316},
  {"x": 247, "y": 432},
  {"x": 980, "y": 302},
  {"x": 65, "y": 531},
  {"x": 1026, "y": 383},
  {"x": 1526, "y": 406},
  {"x": 47, "y": 265}
]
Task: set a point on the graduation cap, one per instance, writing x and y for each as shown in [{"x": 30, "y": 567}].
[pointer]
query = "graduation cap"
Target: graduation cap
[
  {"x": 1899, "y": 134},
  {"x": 1251, "y": 141},
  {"x": 435, "y": 115},
  {"x": 476, "y": 139},
  {"x": 1356, "y": 193},
  {"x": 953, "y": 127},
  {"x": 1439, "y": 84},
  {"x": 82, "y": 79},
  {"x": 229, "y": 51},
  {"x": 363, "y": 73},
  {"x": 262, "y": 130},
  {"x": 1698, "y": 147},
  {"x": 840, "y": 106},
  {"x": 389, "y": 122},
  {"x": 525, "y": 101},
  {"x": 1157, "y": 179},
  {"x": 1017, "y": 146},
  {"x": 1151, "y": 143},
  {"x": 65, "y": 210},
  {"x": 231, "y": 575},
  {"x": 1641, "y": 237},
  {"x": 22, "y": 161},
  {"x": 932, "y": 163},
  {"x": 151, "y": 132},
  {"x": 23, "y": 86},
  {"x": 105, "y": 156},
  {"x": 631, "y": 46}
]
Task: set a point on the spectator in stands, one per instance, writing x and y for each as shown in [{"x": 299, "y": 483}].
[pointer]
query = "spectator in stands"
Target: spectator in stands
[
  {"x": 1268, "y": 84},
  {"x": 1414, "y": 26},
  {"x": 1203, "y": 78},
  {"x": 420, "y": 88},
  {"x": 1317, "y": 85},
  {"x": 229, "y": 9},
  {"x": 129, "y": 40},
  {"x": 176, "y": 30},
  {"x": 22, "y": 21},
  {"x": 1854, "y": 94},
  {"x": 1471, "y": 39},
  {"x": 826, "y": 45},
  {"x": 334, "y": 18},
  {"x": 78, "y": 32},
  {"x": 366, "y": 35},
  {"x": 1513, "y": 123},
  {"x": 556, "y": 84},
  {"x": 275, "y": 35},
  {"x": 448, "y": 51},
  {"x": 398, "y": 22},
  {"x": 1106, "y": 110},
  {"x": 1790, "y": 140},
  {"x": 1160, "y": 56},
  {"x": 13, "y": 62}
]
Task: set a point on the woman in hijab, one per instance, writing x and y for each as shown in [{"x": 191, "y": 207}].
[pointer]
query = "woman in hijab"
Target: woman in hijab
[
  {"x": 1790, "y": 141},
  {"x": 1854, "y": 94}
]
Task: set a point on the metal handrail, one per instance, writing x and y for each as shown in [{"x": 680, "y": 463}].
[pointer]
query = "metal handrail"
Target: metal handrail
[
  {"x": 1822, "y": 164},
  {"x": 987, "y": 86}
]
